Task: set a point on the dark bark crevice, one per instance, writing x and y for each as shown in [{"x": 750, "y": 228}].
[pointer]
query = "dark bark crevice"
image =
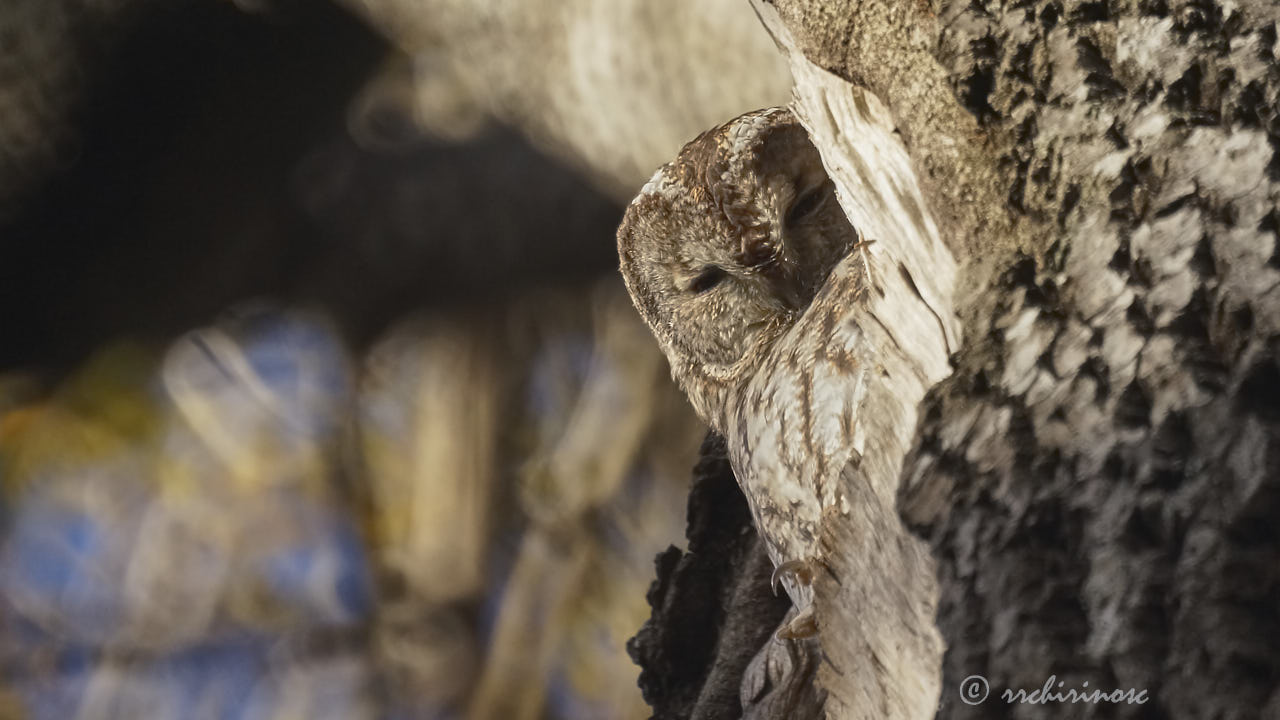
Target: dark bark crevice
[{"x": 712, "y": 606}]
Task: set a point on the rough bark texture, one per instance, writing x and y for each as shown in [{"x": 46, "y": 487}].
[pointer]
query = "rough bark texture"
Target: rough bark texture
[{"x": 1098, "y": 479}]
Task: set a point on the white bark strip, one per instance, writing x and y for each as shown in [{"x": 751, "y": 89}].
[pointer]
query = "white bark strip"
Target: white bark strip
[{"x": 893, "y": 332}]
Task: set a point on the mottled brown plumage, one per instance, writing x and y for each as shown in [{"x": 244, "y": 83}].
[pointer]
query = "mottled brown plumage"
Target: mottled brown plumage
[
  {"x": 733, "y": 255},
  {"x": 725, "y": 248}
]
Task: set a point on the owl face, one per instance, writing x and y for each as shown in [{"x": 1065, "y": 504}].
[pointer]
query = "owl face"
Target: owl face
[{"x": 727, "y": 245}]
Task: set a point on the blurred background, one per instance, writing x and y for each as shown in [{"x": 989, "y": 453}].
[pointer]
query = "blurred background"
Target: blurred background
[{"x": 320, "y": 396}]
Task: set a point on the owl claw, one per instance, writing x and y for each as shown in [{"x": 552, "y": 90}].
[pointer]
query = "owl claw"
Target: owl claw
[
  {"x": 801, "y": 571},
  {"x": 803, "y": 625}
]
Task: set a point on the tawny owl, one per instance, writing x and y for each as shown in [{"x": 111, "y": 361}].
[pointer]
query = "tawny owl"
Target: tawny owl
[
  {"x": 724, "y": 251},
  {"x": 793, "y": 335}
]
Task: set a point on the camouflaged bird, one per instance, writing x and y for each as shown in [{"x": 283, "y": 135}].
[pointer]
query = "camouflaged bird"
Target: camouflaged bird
[{"x": 742, "y": 263}]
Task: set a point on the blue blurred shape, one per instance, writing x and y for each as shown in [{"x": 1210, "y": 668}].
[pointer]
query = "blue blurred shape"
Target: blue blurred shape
[{"x": 325, "y": 576}]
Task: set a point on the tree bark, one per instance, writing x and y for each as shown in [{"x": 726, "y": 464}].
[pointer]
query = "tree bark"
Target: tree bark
[{"x": 1098, "y": 478}]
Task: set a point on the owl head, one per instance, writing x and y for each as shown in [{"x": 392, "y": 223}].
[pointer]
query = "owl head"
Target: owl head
[{"x": 726, "y": 247}]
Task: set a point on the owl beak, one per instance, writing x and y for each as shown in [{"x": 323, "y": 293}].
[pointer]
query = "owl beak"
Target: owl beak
[
  {"x": 784, "y": 276},
  {"x": 769, "y": 259},
  {"x": 758, "y": 250}
]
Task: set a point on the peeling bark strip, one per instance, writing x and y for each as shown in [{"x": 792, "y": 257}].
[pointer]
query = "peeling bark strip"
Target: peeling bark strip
[
  {"x": 1099, "y": 478},
  {"x": 876, "y": 602}
]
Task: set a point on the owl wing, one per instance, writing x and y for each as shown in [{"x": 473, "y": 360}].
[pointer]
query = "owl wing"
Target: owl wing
[{"x": 795, "y": 426}]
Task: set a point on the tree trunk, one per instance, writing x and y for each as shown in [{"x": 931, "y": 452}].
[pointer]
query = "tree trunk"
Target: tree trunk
[{"x": 1098, "y": 478}]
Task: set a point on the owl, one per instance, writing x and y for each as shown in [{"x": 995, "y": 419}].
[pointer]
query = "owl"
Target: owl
[
  {"x": 769, "y": 306},
  {"x": 803, "y": 301},
  {"x": 724, "y": 253}
]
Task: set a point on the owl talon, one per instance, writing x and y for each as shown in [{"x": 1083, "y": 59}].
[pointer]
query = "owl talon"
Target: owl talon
[
  {"x": 800, "y": 571},
  {"x": 803, "y": 625}
]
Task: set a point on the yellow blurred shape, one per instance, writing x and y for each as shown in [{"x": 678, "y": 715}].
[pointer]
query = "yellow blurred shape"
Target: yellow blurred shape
[{"x": 102, "y": 410}]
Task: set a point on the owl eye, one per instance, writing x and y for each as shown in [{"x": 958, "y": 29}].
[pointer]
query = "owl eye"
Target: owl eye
[
  {"x": 707, "y": 278},
  {"x": 808, "y": 203}
]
